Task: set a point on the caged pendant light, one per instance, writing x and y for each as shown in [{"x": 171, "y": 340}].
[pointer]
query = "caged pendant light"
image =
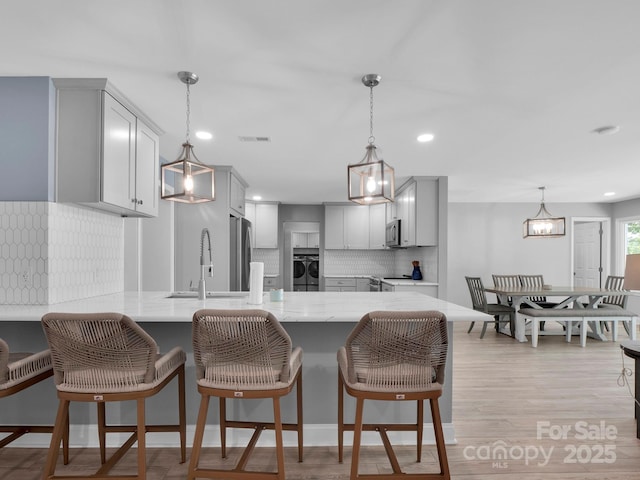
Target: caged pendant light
[
  {"x": 371, "y": 180},
  {"x": 543, "y": 225},
  {"x": 187, "y": 180}
]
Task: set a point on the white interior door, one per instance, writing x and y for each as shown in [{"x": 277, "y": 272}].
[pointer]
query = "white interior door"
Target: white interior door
[{"x": 587, "y": 254}]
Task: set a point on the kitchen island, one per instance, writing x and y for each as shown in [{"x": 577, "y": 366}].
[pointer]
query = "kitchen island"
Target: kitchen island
[{"x": 319, "y": 322}]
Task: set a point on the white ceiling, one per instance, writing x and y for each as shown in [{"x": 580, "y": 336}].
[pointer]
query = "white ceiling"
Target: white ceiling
[{"x": 512, "y": 89}]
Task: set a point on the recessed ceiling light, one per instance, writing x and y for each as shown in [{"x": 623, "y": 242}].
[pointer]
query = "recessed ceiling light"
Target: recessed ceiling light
[
  {"x": 425, "y": 137},
  {"x": 256, "y": 197},
  {"x": 202, "y": 135},
  {"x": 607, "y": 130},
  {"x": 609, "y": 194}
]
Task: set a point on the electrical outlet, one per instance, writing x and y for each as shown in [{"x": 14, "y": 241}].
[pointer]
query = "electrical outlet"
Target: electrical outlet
[{"x": 25, "y": 278}]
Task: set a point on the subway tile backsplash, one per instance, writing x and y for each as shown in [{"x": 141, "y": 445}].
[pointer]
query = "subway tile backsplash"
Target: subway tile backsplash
[{"x": 53, "y": 252}]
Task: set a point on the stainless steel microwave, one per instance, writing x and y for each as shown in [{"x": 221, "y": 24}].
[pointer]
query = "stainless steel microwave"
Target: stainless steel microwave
[{"x": 392, "y": 237}]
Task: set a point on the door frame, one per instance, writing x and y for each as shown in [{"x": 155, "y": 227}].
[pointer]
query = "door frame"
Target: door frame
[{"x": 606, "y": 244}]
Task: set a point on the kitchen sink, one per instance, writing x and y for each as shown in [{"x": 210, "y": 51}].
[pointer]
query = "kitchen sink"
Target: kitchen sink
[{"x": 192, "y": 294}]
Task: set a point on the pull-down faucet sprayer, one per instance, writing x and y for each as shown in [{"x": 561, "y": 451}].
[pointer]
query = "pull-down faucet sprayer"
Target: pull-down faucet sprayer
[{"x": 202, "y": 286}]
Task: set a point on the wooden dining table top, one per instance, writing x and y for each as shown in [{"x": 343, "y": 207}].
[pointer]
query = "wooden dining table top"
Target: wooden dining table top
[{"x": 553, "y": 290}]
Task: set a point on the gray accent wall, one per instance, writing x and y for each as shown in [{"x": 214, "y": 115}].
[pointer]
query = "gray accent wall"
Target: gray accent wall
[{"x": 27, "y": 136}]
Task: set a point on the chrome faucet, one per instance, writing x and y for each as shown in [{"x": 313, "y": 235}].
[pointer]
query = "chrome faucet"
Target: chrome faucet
[{"x": 202, "y": 285}]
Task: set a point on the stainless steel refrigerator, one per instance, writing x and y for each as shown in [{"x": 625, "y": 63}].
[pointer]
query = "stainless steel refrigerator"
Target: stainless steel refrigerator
[{"x": 240, "y": 252}]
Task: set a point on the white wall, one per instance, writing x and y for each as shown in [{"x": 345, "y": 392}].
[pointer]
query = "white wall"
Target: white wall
[{"x": 486, "y": 239}]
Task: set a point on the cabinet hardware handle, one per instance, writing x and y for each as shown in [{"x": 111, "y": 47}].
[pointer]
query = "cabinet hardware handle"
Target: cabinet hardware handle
[{"x": 139, "y": 202}]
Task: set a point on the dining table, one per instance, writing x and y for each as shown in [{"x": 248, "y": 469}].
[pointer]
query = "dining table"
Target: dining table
[{"x": 589, "y": 297}]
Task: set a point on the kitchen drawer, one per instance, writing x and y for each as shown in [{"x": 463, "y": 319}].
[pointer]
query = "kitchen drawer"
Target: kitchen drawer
[
  {"x": 270, "y": 282},
  {"x": 339, "y": 282},
  {"x": 340, "y": 289}
]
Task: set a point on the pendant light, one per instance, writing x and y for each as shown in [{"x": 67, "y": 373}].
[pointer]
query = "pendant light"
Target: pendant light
[
  {"x": 543, "y": 225},
  {"x": 187, "y": 180},
  {"x": 371, "y": 180}
]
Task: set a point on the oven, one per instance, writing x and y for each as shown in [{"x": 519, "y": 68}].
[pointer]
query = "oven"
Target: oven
[{"x": 375, "y": 284}]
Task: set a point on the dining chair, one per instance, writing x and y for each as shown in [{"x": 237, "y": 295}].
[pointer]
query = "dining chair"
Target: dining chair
[
  {"x": 394, "y": 356},
  {"x": 244, "y": 354},
  {"x": 19, "y": 371},
  {"x": 536, "y": 281},
  {"x": 615, "y": 282},
  {"x": 102, "y": 358},
  {"x": 506, "y": 282},
  {"x": 497, "y": 310}
]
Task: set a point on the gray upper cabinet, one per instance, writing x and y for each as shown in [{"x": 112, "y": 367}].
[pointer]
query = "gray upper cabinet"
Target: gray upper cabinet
[
  {"x": 107, "y": 151},
  {"x": 416, "y": 205}
]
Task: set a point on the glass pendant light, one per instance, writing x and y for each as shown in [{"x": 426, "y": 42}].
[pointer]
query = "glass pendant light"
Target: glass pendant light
[
  {"x": 187, "y": 180},
  {"x": 543, "y": 225},
  {"x": 371, "y": 180}
]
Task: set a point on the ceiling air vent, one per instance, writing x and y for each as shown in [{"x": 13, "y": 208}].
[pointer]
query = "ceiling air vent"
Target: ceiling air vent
[{"x": 254, "y": 139}]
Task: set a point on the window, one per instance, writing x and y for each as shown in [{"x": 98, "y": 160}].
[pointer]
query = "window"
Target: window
[
  {"x": 628, "y": 240},
  {"x": 631, "y": 237}
]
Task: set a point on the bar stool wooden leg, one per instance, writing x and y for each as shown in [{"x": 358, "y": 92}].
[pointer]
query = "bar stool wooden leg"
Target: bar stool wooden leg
[
  {"x": 62, "y": 419},
  {"x": 440, "y": 445},
  {"x": 102, "y": 434},
  {"x": 182, "y": 414},
  {"x": 277, "y": 419},
  {"x": 222, "y": 407},
  {"x": 299, "y": 417},
  {"x": 142, "y": 439},
  {"x": 357, "y": 438},
  {"x": 199, "y": 435},
  {"x": 340, "y": 417},
  {"x": 420, "y": 429}
]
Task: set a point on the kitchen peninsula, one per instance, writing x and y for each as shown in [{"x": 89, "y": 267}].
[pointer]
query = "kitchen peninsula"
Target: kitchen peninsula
[{"x": 319, "y": 322}]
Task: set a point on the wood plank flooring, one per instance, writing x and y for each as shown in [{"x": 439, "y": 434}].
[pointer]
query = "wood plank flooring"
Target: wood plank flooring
[{"x": 508, "y": 398}]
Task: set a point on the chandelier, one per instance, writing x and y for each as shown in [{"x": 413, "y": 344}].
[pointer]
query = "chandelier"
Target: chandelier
[
  {"x": 543, "y": 225},
  {"x": 187, "y": 180},
  {"x": 371, "y": 180}
]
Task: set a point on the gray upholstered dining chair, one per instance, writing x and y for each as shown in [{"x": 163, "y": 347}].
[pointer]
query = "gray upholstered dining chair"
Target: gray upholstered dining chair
[
  {"x": 497, "y": 310},
  {"x": 244, "y": 354},
  {"x": 394, "y": 356},
  {"x": 107, "y": 357},
  {"x": 19, "y": 371}
]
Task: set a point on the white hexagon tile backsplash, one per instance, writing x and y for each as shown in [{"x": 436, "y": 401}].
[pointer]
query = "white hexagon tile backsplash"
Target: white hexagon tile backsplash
[{"x": 52, "y": 252}]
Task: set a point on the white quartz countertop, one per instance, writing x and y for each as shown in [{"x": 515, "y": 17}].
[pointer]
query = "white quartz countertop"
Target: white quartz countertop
[
  {"x": 296, "y": 307},
  {"x": 408, "y": 281}
]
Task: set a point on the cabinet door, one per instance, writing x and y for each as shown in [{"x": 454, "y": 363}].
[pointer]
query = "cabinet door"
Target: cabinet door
[
  {"x": 313, "y": 240},
  {"x": 409, "y": 240},
  {"x": 377, "y": 224},
  {"x": 119, "y": 154},
  {"x": 298, "y": 240},
  {"x": 362, "y": 284},
  {"x": 356, "y": 227},
  {"x": 250, "y": 214},
  {"x": 236, "y": 195},
  {"x": 147, "y": 161},
  {"x": 266, "y": 226},
  {"x": 334, "y": 227}
]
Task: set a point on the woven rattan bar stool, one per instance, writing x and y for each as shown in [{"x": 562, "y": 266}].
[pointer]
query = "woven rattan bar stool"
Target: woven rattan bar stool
[
  {"x": 107, "y": 357},
  {"x": 19, "y": 371},
  {"x": 244, "y": 354},
  {"x": 394, "y": 356}
]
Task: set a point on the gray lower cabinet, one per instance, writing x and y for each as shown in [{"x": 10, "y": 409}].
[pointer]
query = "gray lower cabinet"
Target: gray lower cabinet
[{"x": 339, "y": 284}]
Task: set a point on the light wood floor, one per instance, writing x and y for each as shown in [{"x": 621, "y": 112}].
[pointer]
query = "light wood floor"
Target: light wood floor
[{"x": 504, "y": 392}]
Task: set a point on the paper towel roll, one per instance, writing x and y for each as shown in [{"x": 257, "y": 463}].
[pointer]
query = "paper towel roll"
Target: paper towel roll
[{"x": 256, "y": 277}]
